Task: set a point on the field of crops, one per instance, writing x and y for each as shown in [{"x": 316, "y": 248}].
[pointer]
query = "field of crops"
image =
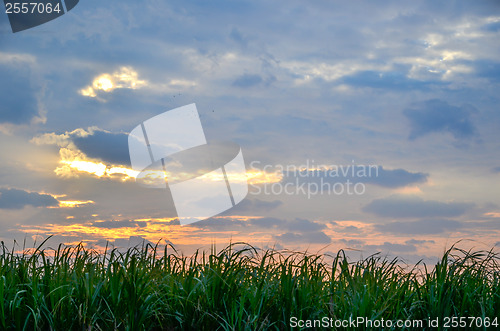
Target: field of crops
[{"x": 239, "y": 288}]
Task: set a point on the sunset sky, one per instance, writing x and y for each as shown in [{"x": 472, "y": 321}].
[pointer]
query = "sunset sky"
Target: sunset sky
[{"x": 410, "y": 87}]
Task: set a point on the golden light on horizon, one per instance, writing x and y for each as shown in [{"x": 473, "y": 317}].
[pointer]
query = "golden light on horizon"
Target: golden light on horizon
[
  {"x": 153, "y": 230},
  {"x": 263, "y": 177}
]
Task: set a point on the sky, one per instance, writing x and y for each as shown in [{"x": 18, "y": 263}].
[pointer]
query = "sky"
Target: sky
[{"x": 391, "y": 109}]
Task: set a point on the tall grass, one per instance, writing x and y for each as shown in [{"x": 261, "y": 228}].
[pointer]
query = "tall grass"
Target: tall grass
[{"x": 238, "y": 288}]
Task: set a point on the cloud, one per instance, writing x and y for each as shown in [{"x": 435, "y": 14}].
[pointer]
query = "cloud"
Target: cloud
[
  {"x": 419, "y": 242},
  {"x": 394, "y": 178},
  {"x": 297, "y": 226},
  {"x": 238, "y": 37},
  {"x": 247, "y": 80},
  {"x": 411, "y": 206},
  {"x": 132, "y": 241},
  {"x": 420, "y": 227},
  {"x": 373, "y": 174},
  {"x": 315, "y": 237},
  {"x": 119, "y": 224},
  {"x": 393, "y": 80},
  {"x": 302, "y": 231},
  {"x": 391, "y": 247},
  {"x": 254, "y": 205},
  {"x": 303, "y": 225},
  {"x": 106, "y": 146},
  {"x": 19, "y": 104},
  {"x": 17, "y": 199},
  {"x": 496, "y": 170},
  {"x": 124, "y": 78},
  {"x": 352, "y": 242},
  {"x": 80, "y": 148},
  {"x": 491, "y": 27},
  {"x": 435, "y": 115},
  {"x": 488, "y": 69}
]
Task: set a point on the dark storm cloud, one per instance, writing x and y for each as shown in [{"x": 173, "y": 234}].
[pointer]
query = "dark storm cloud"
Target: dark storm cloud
[
  {"x": 435, "y": 115},
  {"x": 17, "y": 199},
  {"x": 420, "y": 227},
  {"x": 401, "y": 206},
  {"x": 18, "y": 99},
  {"x": 107, "y": 146}
]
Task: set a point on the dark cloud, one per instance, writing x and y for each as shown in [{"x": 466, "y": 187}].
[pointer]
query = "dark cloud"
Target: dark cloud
[
  {"x": 247, "y": 80},
  {"x": 303, "y": 225},
  {"x": 219, "y": 223},
  {"x": 316, "y": 237},
  {"x": 488, "y": 69},
  {"x": 419, "y": 242},
  {"x": 238, "y": 37},
  {"x": 397, "y": 178},
  {"x": 106, "y": 146},
  {"x": 18, "y": 99},
  {"x": 390, "y": 247},
  {"x": 352, "y": 242},
  {"x": 374, "y": 174},
  {"x": 402, "y": 206},
  {"x": 491, "y": 27},
  {"x": 267, "y": 222},
  {"x": 254, "y": 205},
  {"x": 18, "y": 199},
  {"x": 119, "y": 224},
  {"x": 426, "y": 226},
  {"x": 295, "y": 225},
  {"x": 435, "y": 115},
  {"x": 132, "y": 241}
]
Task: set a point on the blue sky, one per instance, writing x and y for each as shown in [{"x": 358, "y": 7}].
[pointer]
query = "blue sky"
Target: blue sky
[{"x": 408, "y": 86}]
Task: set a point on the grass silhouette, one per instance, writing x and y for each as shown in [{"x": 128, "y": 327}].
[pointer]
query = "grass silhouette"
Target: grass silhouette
[{"x": 238, "y": 288}]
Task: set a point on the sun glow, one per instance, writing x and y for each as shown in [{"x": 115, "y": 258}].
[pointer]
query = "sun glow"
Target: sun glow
[
  {"x": 74, "y": 203},
  {"x": 125, "y": 77},
  {"x": 75, "y": 162},
  {"x": 103, "y": 82}
]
